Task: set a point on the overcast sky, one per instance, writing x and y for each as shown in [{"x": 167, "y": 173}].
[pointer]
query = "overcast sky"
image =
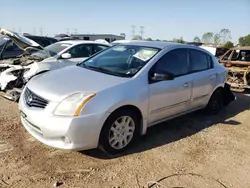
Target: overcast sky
[{"x": 162, "y": 19}]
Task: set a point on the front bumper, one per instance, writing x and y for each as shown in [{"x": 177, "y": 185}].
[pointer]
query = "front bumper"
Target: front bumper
[{"x": 69, "y": 133}]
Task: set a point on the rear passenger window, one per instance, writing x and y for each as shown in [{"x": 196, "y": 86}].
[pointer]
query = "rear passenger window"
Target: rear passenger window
[
  {"x": 174, "y": 62},
  {"x": 200, "y": 61}
]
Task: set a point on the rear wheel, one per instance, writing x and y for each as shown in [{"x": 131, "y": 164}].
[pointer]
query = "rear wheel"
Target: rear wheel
[
  {"x": 215, "y": 103},
  {"x": 119, "y": 131}
]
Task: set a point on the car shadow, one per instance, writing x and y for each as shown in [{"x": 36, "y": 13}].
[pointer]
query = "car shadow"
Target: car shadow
[{"x": 181, "y": 127}]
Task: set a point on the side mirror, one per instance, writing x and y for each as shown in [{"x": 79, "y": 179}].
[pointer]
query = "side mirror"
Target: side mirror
[
  {"x": 162, "y": 76},
  {"x": 66, "y": 56}
]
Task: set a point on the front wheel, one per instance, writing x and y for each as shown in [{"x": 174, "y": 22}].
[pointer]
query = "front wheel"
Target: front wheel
[{"x": 119, "y": 131}]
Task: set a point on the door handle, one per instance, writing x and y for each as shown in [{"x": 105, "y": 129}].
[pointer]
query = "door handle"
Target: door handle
[
  {"x": 185, "y": 85},
  {"x": 212, "y": 76}
]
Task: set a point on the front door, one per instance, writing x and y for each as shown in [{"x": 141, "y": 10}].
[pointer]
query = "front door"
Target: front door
[
  {"x": 78, "y": 54},
  {"x": 170, "y": 97}
]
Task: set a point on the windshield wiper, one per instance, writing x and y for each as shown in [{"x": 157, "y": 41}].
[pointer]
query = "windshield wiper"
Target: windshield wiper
[{"x": 101, "y": 69}]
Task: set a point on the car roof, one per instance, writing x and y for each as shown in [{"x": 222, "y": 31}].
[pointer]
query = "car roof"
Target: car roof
[
  {"x": 154, "y": 44},
  {"x": 74, "y": 42}
]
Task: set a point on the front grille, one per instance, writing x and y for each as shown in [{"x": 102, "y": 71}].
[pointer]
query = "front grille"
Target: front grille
[{"x": 33, "y": 100}]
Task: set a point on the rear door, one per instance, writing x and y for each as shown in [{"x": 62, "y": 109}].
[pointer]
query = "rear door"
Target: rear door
[
  {"x": 98, "y": 47},
  {"x": 204, "y": 77}
]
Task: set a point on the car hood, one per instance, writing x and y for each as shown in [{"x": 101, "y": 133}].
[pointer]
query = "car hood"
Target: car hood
[
  {"x": 21, "y": 41},
  {"x": 60, "y": 83}
]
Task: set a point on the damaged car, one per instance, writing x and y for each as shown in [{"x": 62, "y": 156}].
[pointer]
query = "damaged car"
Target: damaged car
[
  {"x": 9, "y": 49},
  {"x": 16, "y": 72},
  {"x": 237, "y": 62}
]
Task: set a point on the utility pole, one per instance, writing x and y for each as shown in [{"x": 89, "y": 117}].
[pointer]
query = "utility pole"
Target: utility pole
[
  {"x": 142, "y": 31},
  {"x": 75, "y": 31},
  {"x": 133, "y": 31},
  {"x": 41, "y": 31},
  {"x": 67, "y": 31}
]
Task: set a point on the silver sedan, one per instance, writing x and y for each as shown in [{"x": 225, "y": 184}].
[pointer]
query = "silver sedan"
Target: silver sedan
[{"x": 110, "y": 99}]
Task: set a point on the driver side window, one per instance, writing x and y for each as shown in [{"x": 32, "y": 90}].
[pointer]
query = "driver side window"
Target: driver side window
[
  {"x": 175, "y": 62},
  {"x": 80, "y": 51}
]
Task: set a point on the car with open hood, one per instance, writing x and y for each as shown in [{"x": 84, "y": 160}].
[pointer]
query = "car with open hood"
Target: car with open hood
[
  {"x": 9, "y": 48},
  {"x": 15, "y": 73},
  {"x": 110, "y": 99}
]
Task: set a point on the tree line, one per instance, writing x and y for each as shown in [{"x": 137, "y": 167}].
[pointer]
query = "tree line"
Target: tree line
[{"x": 222, "y": 39}]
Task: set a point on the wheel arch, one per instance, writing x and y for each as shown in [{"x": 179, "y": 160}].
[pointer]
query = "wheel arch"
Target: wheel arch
[
  {"x": 219, "y": 88},
  {"x": 127, "y": 107}
]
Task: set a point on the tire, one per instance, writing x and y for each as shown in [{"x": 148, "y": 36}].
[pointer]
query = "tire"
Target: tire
[
  {"x": 112, "y": 141},
  {"x": 215, "y": 103}
]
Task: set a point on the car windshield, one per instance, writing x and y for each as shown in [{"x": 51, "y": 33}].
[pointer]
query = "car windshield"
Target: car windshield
[
  {"x": 120, "y": 60},
  {"x": 51, "y": 50}
]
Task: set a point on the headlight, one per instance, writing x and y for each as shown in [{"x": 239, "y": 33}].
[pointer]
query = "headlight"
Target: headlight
[{"x": 73, "y": 104}]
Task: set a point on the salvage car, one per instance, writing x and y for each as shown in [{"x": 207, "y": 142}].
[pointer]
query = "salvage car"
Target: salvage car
[
  {"x": 110, "y": 99},
  {"x": 237, "y": 62},
  {"x": 8, "y": 48},
  {"x": 15, "y": 73}
]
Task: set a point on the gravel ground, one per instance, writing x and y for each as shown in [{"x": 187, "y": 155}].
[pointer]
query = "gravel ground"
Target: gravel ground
[{"x": 198, "y": 148}]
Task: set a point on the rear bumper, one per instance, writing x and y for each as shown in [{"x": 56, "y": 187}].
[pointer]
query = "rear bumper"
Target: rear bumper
[{"x": 228, "y": 95}]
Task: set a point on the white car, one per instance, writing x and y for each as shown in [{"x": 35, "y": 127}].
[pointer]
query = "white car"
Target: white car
[
  {"x": 119, "y": 42},
  {"x": 54, "y": 56},
  {"x": 62, "y": 54},
  {"x": 110, "y": 99}
]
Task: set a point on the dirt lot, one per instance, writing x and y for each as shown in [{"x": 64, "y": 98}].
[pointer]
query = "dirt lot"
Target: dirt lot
[{"x": 213, "y": 147}]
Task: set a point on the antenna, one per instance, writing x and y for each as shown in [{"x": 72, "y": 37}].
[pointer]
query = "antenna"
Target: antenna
[
  {"x": 133, "y": 30},
  {"x": 142, "y": 31}
]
